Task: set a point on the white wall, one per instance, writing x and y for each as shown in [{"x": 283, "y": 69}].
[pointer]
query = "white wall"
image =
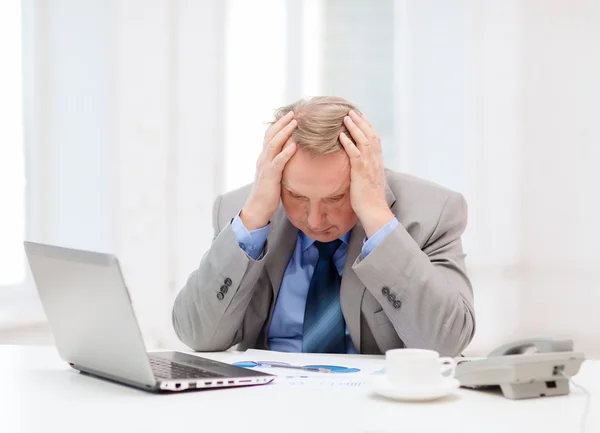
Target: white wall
[
  {"x": 538, "y": 143},
  {"x": 560, "y": 114},
  {"x": 559, "y": 199},
  {"x": 492, "y": 172}
]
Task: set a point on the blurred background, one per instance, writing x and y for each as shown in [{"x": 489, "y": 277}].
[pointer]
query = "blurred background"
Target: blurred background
[{"x": 121, "y": 121}]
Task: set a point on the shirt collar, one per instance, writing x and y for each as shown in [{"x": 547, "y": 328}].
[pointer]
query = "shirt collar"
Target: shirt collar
[{"x": 306, "y": 242}]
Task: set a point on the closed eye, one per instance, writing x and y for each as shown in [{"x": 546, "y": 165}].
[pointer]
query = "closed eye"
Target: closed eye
[{"x": 335, "y": 199}]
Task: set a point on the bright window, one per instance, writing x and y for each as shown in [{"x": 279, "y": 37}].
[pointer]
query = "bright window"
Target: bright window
[{"x": 255, "y": 71}]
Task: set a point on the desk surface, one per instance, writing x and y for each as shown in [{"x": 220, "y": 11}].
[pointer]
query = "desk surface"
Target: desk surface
[{"x": 40, "y": 393}]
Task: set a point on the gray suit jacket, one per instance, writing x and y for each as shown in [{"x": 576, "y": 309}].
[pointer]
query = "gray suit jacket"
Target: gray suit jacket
[{"x": 420, "y": 264}]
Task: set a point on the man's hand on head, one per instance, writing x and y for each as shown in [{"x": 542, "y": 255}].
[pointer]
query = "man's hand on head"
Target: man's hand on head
[
  {"x": 367, "y": 176},
  {"x": 278, "y": 148}
]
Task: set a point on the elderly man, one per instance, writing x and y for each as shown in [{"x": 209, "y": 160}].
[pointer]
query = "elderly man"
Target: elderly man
[{"x": 328, "y": 251}]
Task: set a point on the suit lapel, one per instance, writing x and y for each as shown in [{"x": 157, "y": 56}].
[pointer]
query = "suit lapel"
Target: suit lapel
[
  {"x": 352, "y": 288},
  {"x": 281, "y": 241}
]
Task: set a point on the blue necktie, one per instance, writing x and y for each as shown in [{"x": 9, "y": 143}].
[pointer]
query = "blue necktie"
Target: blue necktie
[{"x": 324, "y": 326}]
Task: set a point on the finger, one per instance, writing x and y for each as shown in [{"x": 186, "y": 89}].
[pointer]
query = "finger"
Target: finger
[
  {"x": 350, "y": 148},
  {"x": 274, "y": 146},
  {"x": 278, "y": 126},
  {"x": 359, "y": 136},
  {"x": 361, "y": 116},
  {"x": 362, "y": 122},
  {"x": 365, "y": 126},
  {"x": 284, "y": 156}
]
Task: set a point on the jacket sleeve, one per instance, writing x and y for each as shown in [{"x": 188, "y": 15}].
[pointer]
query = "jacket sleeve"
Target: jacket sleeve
[
  {"x": 430, "y": 299},
  {"x": 207, "y": 316}
]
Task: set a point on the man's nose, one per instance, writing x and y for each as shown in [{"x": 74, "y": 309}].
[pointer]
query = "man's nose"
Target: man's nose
[{"x": 315, "y": 216}]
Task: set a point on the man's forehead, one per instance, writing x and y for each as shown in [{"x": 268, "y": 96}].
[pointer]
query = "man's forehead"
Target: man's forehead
[
  {"x": 300, "y": 188},
  {"x": 325, "y": 174}
]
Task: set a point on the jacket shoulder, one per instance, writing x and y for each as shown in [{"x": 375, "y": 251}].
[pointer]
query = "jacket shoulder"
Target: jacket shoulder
[
  {"x": 231, "y": 203},
  {"x": 410, "y": 189},
  {"x": 419, "y": 205}
]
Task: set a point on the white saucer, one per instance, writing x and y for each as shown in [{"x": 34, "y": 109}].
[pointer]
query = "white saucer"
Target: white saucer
[{"x": 382, "y": 386}]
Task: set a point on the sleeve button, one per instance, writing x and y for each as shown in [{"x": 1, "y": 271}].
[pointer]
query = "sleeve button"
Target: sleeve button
[
  {"x": 220, "y": 296},
  {"x": 397, "y": 304},
  {"x": 227, "y": 281},
  {"x": 224, "y": 289},
  {"x": 385, "y": 291},
  {"x": 391, "y": 297}
]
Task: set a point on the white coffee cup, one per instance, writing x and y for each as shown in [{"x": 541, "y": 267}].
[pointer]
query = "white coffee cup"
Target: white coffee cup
[{"x": 410, "y": 368}]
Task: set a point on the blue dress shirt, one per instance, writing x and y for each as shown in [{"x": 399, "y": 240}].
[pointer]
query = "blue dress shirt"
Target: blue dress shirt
[{"x": 285, "y": 331}]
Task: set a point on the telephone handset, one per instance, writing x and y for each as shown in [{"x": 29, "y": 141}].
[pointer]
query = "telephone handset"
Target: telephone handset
[
  {"x": 532, "y": 367},
  {"x": 541, "y": 345}
]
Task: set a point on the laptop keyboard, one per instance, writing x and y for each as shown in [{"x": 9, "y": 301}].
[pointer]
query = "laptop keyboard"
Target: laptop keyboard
[{"x": 165, "y": 369}]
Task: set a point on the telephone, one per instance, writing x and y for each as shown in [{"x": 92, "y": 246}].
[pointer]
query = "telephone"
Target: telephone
[{"x": 533, "y": 367}]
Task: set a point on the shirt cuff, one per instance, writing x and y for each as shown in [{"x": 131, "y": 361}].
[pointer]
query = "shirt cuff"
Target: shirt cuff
[
  {"x": 369, "y": 244},
  {"x": 251, "y": 242}
]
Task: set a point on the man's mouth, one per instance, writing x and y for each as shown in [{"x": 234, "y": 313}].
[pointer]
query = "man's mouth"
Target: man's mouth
[{"x": 320, "y": 232}]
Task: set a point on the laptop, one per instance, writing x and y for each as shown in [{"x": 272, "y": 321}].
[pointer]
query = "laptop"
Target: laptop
[{"x": 90, "y": 314}]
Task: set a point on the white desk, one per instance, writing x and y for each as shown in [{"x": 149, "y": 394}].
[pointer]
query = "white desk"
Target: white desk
[{"x": 41, "y": 393}]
